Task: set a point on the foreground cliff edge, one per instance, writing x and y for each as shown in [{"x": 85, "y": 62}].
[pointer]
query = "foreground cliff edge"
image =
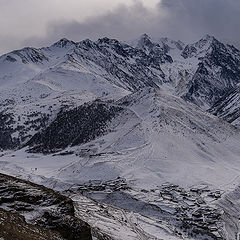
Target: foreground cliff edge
[{"x": 29, "y": 211}]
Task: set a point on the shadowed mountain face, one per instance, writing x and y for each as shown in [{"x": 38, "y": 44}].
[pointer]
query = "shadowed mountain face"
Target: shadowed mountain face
[
  {"x": 228, "y": 107},
  {"x": 218, "y": 71}
]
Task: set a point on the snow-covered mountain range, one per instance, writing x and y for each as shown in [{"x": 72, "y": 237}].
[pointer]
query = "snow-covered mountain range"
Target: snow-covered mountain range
[{"x": 160, "y": 114}]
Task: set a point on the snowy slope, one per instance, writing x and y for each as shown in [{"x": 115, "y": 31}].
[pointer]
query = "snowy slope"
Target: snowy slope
[
  {"x": 158, "y": 138},
  {"x": 125, "y": 123},
  {"x": 157, "y": 133}
]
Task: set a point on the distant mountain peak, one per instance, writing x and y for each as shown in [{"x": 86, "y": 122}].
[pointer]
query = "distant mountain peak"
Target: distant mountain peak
[
  {"x": 201, "y": 47},
  {"x": 145, "y": 36},
  {"x": 207, "y": 40},
  {"x": 106, "y": 40},
  {"x": 208, "y": 37},
  {"x": 172, "y": 44},
  {"x": 144, "y": 41},
  {"x": 28, "y": 54},
  {"x": 63, "y": 43}
]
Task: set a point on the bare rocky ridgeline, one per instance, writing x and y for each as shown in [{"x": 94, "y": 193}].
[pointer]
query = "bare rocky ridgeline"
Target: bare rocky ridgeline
[{"x": 48, "y": 214}]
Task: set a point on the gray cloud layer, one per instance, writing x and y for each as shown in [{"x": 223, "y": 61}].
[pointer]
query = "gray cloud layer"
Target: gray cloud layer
[
  {"x": 186, "y": 20},
  {"x": 191, "y": 18}
]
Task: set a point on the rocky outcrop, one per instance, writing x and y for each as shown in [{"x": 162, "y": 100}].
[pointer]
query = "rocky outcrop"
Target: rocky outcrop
[
  {"x": 41, "y": 207},
  {"x": 14, "y": 227},
  {"x": 217, "y": 73},
  {"x": 228, "y": 107}
]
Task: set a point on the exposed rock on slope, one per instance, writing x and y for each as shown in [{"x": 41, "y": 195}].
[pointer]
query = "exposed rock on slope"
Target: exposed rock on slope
[
  {"x": 217, "y": 73},
  {"x": 37, "y": 83},
  {"x": 40, "y": 206},
  {"x": 14, "y": 227},
  {"x": 123, "y": 111},
  {"x": 228, "y": 107}
]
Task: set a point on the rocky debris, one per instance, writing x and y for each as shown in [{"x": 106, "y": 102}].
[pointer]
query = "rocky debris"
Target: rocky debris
[
  {"x": 42, "y": 207},
  {"x": 10, "y": 59}
]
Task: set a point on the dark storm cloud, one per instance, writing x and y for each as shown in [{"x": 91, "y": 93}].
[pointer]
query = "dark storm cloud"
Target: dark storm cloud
[
  {"x": 186, "y": 20},
  {"x": 123, "y": 23},
  {"x": 192, "y": 18}
]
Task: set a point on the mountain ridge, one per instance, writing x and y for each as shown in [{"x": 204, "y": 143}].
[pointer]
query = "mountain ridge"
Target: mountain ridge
[{"x": 110, "y": 69}]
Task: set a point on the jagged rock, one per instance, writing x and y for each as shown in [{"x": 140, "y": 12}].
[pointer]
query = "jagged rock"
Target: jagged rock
[
  {"x": 217, "y": 73},
  {"x": 41, "y": 207},
  {"x": 14, "y": 227},
  {"x": 228, "y": 107}
]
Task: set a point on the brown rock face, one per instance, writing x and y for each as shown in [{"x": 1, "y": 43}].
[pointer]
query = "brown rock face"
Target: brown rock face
[{"x": 45, "y": 211}]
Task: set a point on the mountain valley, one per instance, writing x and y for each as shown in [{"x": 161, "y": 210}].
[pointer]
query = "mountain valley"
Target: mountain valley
[{"x": 142, "y": 135}]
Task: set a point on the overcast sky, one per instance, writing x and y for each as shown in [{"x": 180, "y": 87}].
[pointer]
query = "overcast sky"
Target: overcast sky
[{"x": 39, "y": 23}]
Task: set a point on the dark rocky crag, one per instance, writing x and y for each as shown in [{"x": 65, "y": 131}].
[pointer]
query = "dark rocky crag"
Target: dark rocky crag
[
  {"x": 14, "y": 227},
  {"x": 217, "y": 73},
  {"x": 228, "y": 107},
  {"x": 47, "y": 210}
]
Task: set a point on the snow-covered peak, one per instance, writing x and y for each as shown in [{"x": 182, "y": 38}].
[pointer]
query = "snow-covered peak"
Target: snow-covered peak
[
  {"x": 201, "y": 47},
  {"x": 172, "y": 44},
  {"x": 206, "y": 41},
  {"x": 107, "y": 41},
  {"x": 63, "y": 43},
  {"x": 86, "y": 44},
  {"x": 144, "y": 43},
  {"x": 208, "y": 37},
  {"x": 141, "y": 41},
  {"x": 25, "y": 55}
]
